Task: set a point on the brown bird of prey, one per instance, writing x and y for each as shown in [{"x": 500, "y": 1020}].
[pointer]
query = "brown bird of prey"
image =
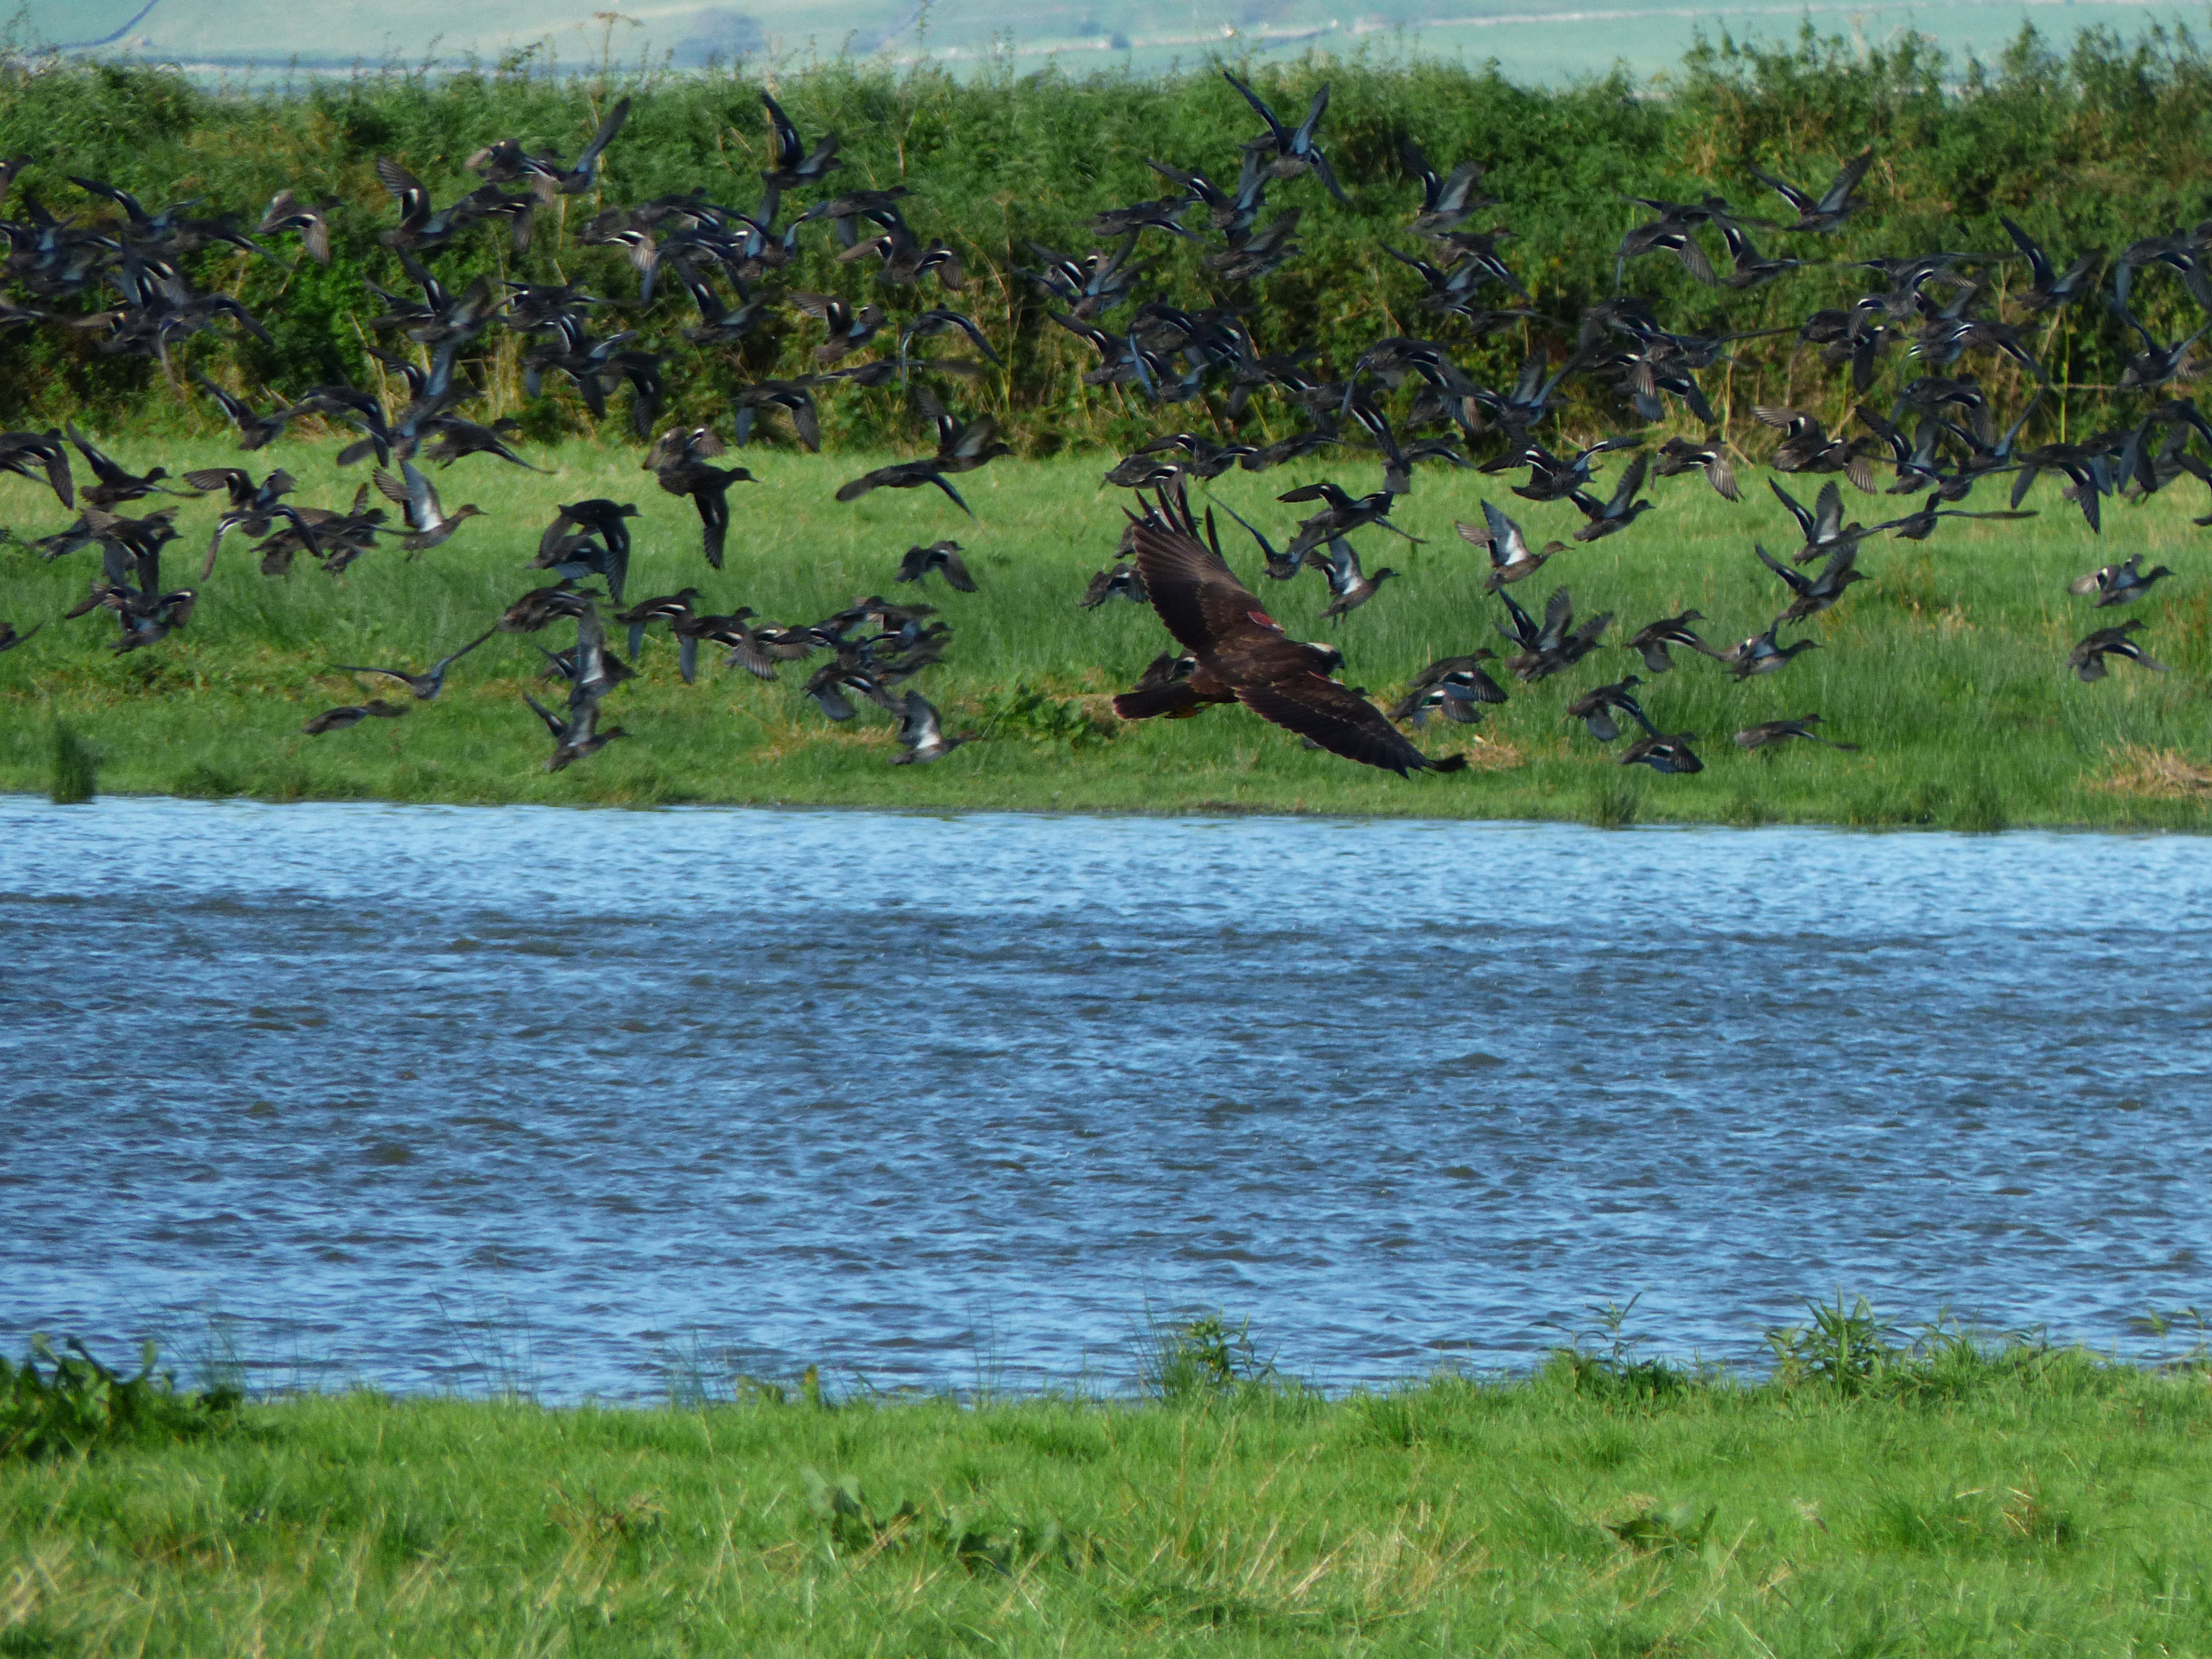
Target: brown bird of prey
[{"x": 1243, "y": 656}]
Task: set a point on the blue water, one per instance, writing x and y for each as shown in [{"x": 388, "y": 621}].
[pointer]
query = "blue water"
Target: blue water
[{"x": 445, "y": 1096}]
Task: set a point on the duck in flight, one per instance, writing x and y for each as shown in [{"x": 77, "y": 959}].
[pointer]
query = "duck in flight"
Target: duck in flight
[
  {"x": 2087, "y": 658},
  {"x": 1773, "y": 732},
  {"x": 679, "y": 459},
  {"x": 1511, "y": 558},
  {"x": 1828, "y": 210},
  {"x": 1652, "y": 642},
  {"x": 336, "y": 720},
  {"x": 2118, "y": 584},
  {"x": 1669, "y": 752},
  {"x": 429, "y": 524},
  {"x": 943, "y": 557},
  {"x": 1596, "y": 709},
  {"x": 922, "y": 736},
  {"x": 426, "y": 686},
  {"x": 1294, "y": 150},
  {"x": 1349, "y": 587}
]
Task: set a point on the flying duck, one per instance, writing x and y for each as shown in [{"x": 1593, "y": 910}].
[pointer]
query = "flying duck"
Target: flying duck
[
  {"x": 2087, "y": 658},
  {"x": 2118, "y": 584},
  {"x": 922, "y": 736},
  {"x": 429, "y": 524},
  {"x": 1120, "y": 581},
  {"x": 336, "y": 720},
  {"x": 1771, "y": 732},
  {"x": 1651, "y": 643},
  {"x": 1511, "y": 557},
  {"x": 425, "y": 686},
  {"x": 1669, "y": 752},
  {"x": 942, "y": 556},
  {"x": 1596, "y": 709}
]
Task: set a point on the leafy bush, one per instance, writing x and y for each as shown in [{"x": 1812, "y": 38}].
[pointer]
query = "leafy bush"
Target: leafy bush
[
  {"x": 78, "y": 1405},
  {"x": 1846, "y": 1349},
  {"x": 1601, "y": 1361},
  {"x": 851, "y": 1527},
  {"x": 1022, "y": 713},
  {"x": 1195, "y": 1358},
  {"x": 1674, "y": 1529}
]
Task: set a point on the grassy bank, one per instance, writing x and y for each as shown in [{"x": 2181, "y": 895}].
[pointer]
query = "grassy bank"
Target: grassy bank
[
  {"x": 1956, "y": 1501},
  {"x": 1948, "y": 666}
]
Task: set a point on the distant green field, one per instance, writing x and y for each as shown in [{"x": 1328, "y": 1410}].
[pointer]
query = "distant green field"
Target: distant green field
[
  {"x": 1947, "y": 666},
  {"x": 1534, "y": 40}
]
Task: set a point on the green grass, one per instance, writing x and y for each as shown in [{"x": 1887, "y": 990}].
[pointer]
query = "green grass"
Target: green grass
[
  {"x": 1948, "y": 666},
  {"x": 1960, "y": 1500}
]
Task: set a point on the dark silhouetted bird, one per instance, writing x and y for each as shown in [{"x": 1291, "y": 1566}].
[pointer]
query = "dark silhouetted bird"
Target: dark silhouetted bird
[{"x": 941, "y": 556}]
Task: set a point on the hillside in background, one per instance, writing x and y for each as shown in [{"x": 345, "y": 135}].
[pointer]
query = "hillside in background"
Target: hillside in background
[{"x": 1532, "y": 40}]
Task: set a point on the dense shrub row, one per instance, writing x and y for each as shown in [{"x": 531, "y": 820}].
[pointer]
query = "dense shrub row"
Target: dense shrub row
[{"x": 2099, "y": 146}]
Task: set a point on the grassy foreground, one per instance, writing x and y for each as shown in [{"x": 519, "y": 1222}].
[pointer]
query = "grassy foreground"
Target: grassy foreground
[
  {"x": 1971, "y": 1501},
  {"x": 1948, "y": 666}
]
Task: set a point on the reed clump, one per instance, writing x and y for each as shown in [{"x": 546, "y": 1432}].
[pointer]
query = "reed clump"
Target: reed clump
[
  {"x": 73, "y": 768},
  {"x": 1613, "y": 803}
]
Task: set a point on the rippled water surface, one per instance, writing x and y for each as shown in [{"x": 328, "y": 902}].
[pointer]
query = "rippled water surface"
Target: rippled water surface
[{"x": 437, "y": 1097}]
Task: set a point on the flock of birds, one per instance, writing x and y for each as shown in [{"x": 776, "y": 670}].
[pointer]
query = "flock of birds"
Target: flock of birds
[{"x": 1405, "y": 401}]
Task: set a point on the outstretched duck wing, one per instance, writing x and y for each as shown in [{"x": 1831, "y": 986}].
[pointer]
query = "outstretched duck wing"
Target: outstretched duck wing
[
  {"x": 1796, "y": 509},
  {"x": 554, "y": 723},
  {"x": 1275, "y": 128},
  {"x": 1558, "y": 616},
  {"x": 1787, "y": 192},
  {"x": 230, "y": 480},
  {"x": 414, "y": 200},
  {"x": 1508, "y": 546},
  {"x": 789, "y": 151},
  {"x": 1797, "y": 584},
  {"x": 1827, "y": 513},
  {"x": 1624, "y": 497},
  {"x": 423, "y": 510},
  {"x": 604, "y": 135},
  {"x": 1524, "y": 631},
  {"x": 452, "y": 657},
  {"x": 1416, "y": 164},
  {"x": 2038, "y": 264},
  {"x": 1833, "y": 199},
  {"x": 920, "y": 724}
]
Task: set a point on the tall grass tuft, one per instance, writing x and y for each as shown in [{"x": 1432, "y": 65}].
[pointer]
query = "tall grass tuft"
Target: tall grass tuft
[
  {"x": 1615, "y": 802},
  {"x": 73, "y": 767},
  {"x": 1198, "y": 1358},
  {"x": 1977, "y": 808},
  {"x": 1601, "y": 1361}
]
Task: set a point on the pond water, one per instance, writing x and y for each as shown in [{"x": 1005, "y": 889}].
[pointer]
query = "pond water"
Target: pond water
[{"x": 456, "y": 1097}]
